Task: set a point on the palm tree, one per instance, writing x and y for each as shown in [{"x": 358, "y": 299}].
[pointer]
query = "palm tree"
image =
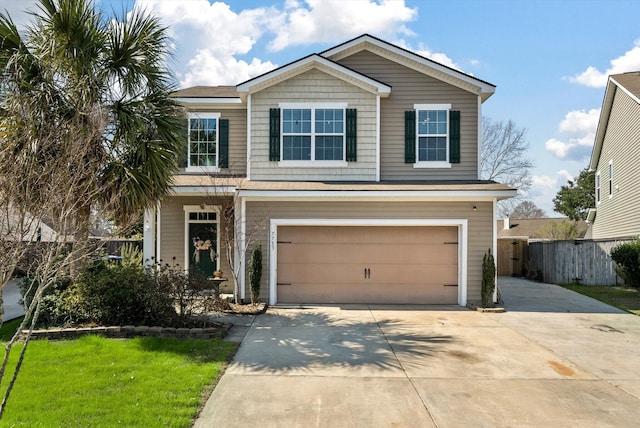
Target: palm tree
[{"x": 101, "y": 82}]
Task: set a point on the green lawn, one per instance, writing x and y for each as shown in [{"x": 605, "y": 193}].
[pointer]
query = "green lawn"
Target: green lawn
[
  {"x": 98, "y": 382},
  {"x": 627, "y": 299}
]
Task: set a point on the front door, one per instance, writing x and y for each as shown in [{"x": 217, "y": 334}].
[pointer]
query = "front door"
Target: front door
[{"x": 204, "y": 258}]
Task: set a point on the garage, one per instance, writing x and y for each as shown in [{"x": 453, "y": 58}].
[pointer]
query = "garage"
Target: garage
[{"x": 367, "y": 264}]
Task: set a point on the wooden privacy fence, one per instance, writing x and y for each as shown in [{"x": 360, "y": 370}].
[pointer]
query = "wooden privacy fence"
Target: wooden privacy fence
[
  {"x": 578, "y": 261},
  {"x": 512, "y": 256}
]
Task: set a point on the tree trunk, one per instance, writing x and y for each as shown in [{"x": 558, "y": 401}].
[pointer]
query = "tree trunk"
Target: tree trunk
[{"x": 80, "y": 241}]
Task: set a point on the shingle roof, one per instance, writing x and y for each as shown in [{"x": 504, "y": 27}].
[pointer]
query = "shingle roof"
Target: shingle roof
[
  {"x": 243, "y": 184},
  {"x": 533, "y": 227},
  {"x": 630, "y": 81},
  {"x": 207, "y": 92}
]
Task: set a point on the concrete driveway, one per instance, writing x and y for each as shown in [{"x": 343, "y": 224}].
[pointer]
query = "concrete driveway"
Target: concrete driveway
[{"x": 555, "y": 358}]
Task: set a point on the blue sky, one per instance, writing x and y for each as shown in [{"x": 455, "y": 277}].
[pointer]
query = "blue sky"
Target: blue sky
[{"x": 548, "y": 59}]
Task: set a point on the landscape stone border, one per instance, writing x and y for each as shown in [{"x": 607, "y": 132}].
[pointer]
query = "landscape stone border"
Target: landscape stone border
[{"x": 218, "y": 331}]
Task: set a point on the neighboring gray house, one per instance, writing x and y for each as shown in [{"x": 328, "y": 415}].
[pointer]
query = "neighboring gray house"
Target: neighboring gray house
[
  {"x": 616, "y": 161},
  {"x": 356, "y": 169}
]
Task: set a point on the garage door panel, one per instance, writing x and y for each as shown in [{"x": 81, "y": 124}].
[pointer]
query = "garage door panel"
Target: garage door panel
[
  {"x": 367, "y": 255},
  {"x": 349, "y": 274},
  {"x": 320, "y": 273},
  {"x": 416, "y": 274},
  {"x": 367, "y": 234},
  {"x": 373, "y": 293},
  {"x": 372, "y": 264}
]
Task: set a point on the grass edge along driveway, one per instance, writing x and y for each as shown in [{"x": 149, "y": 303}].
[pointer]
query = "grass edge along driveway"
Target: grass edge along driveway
[
  {"x": 94, "y": 381},
  {"x": 625, "y": 298}
]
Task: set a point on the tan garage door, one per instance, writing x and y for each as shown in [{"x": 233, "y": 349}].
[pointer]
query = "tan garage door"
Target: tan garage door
[{"x": 367, "y": 264}]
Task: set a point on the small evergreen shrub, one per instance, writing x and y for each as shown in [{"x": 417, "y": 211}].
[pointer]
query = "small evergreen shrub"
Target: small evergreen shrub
[
  {"x": 255, "y": 273},
  {"x": 627, "y": 258},
  {"x": 51, "y": 312},
  {"x": 118, "y": 294},
  {"x": 488, "y": 278}
]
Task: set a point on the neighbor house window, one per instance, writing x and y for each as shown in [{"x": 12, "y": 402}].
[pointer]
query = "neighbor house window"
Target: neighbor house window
[
  {"x": 598, "y": 187},
  {"x": 203, "y": 141},
  {"x": 610, "y": 178},
  {"x": 432, "y": 136},
  {"x": 313, "y": 132}
]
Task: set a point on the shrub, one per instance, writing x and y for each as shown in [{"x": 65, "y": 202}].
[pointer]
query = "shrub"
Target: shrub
[
  {"x": 627, "y": 258},
  {"x": 51, "y": 312},
  {"x": 123, "y": 293},
  {"x": 488, "y": 278},
  {"x": 186, "y": 289},
  {"x": 255, "y": 273},
  {"x": 109, "y": 294}
]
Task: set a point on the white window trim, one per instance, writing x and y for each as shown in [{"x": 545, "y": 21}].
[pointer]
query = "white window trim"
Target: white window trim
[
  {"x": 610, "y": 182},
  {"x": 188, "y": 209},
  {"x": 314, "y": 163},
  {"x": 431, "y": 164},
  {"x": 202, "y": 115},
  {"x": 598, "y": 188}
]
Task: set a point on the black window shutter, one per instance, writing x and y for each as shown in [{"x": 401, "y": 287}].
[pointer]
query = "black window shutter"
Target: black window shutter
[
  {"x": 410, "y": 136},
  {"x": 274, "y": 134},
  {"x": 223, "y": 144},
  {"x": 183, "y": 162},
  {"x": 454, "y": 136},
  {"x": 352, "y": 149}
]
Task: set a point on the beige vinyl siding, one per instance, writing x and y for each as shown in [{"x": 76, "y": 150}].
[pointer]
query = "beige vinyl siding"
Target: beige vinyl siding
[
  {"x": 480, "y": 231},
  {"x": 617, "y": 216},
  {"x": 410, "y": 87},
  {"x": 309, "y": 87},
  {"x": 172, "y": 233},
  {"x": 237, "y": 138}
]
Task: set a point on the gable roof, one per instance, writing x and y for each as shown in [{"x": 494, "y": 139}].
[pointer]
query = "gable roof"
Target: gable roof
[
  {"x": 313, "y": 61},
  {"x": 411, "y": 60},
  {"x": 629, "y": 83}
]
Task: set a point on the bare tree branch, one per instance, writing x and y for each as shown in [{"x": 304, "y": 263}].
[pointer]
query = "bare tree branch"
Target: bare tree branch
[{"x": 503, "y": 158}]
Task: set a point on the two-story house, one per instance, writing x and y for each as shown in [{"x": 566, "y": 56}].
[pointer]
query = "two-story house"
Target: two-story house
[
  {"x": 355, "y": 168},
  {"x": 615, "y": 158}
]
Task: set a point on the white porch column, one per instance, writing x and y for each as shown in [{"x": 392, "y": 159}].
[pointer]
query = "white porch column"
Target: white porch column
[{"x": 149, "y": 236}]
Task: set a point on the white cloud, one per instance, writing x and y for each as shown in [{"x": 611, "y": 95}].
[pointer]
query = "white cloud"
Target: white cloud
[
  {"x": 215, "y": 42},
  {"x": 579, "y": 127},
  {"x": 318, "y": 21},
  {"x": 580, "y": 121},
  {"x": 428, "y": 53},
  {"x": 211, "y": 36},
  {"x": 545, "y": 187},
  {"x": 17, "y": 10},
  {"x": 206, "y": 67},
  {"x": 595, "y": 78}
]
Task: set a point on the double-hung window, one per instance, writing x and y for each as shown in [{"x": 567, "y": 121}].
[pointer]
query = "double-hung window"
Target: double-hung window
[
  {"x": 203, "y": 142},
  {"x": 313, "y": 133},
  {"x": 432, "y": 131},
  {"x": 598, "y": 187}
]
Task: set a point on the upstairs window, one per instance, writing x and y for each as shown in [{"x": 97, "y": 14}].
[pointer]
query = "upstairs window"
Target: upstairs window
[
  {"x": 207, "y": 148},
  {"x": 598, "y": 187},
  {"x": 312, "y": 134},
  {"x": 432, "y": 136}
]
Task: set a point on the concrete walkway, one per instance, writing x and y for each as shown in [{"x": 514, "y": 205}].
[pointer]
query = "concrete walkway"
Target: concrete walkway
[{"x": 556, "y": 358}]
